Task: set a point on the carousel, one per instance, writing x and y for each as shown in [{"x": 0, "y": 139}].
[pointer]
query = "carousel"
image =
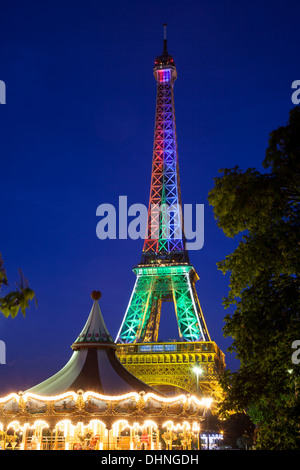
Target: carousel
[{"x": 94, "y": 403}]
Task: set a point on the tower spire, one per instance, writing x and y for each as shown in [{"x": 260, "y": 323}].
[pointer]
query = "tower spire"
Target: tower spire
[
  {"x": 164, "y": 60},
  {"x": 165, "y": 51}
]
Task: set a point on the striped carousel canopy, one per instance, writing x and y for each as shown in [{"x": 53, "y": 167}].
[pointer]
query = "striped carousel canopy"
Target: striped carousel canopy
[{"x": 93, "y": 365}]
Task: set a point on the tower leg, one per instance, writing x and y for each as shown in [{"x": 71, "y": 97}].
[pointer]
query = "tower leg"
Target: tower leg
[
  {"x": 189, "y": 315},
  {"x": 138, "y": 311},
  {"x": 154, "y": 285}
]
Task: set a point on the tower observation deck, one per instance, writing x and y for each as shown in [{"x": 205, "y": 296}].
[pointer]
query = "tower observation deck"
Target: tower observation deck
[{"x": 165, "y": 273}]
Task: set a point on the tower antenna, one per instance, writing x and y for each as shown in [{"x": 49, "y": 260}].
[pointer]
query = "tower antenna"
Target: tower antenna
[{"x": 165, "y": 39}]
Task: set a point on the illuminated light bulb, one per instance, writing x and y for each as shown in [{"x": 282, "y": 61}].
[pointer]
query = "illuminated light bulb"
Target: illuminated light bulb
[{"x": 197, "y": 370}]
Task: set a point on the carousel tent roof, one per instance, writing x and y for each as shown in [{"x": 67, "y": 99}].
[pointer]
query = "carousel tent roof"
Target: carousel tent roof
[{"x": 93, "y": 365}]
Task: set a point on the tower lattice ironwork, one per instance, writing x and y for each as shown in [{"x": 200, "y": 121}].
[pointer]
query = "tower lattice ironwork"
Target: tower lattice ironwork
[{"x": 165, "y": 272}]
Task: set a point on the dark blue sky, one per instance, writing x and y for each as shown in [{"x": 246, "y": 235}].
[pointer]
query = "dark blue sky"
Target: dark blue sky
[{"x": 77, "y": 131}]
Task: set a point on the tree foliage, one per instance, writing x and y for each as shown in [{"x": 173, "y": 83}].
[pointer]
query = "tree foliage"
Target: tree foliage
[
  {"x": 15, "y": 300},
  {"x": 238, "y": 431},
  {"x": 263, "y": 210}
]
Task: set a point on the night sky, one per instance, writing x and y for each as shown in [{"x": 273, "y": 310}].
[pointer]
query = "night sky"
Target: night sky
[{"x": 77, "y": 131}]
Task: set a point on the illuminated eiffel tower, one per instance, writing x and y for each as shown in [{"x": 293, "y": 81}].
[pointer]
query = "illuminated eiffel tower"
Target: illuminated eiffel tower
[{"x": 165, "y": 272}]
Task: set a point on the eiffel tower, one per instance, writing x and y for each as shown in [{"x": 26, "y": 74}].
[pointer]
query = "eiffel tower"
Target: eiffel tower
[{"x": 165, "y": 273}]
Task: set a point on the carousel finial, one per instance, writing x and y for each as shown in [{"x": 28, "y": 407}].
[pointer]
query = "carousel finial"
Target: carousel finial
[{"x": 96, "y": 295}]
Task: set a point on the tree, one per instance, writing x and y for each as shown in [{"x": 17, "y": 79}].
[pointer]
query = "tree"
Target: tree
[
  {"x": 262, "y": 209},
  {"x": 238, "y": 431},
  {"x": 15, "y": 300}
]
